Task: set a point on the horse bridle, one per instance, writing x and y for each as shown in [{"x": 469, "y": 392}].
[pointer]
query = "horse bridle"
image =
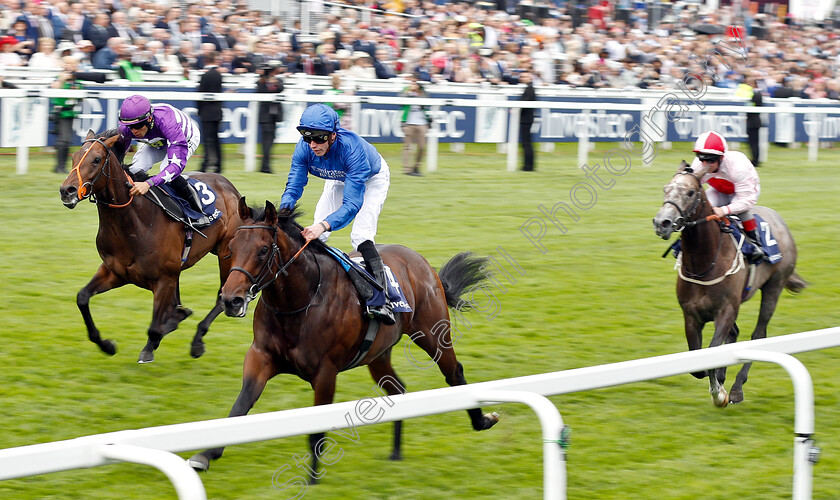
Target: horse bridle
[
  {"x": 266, "y": 276},
  {"x": 684, "y": 216},
  {"x": 683, "y": 220},
  {"x": 86, "y": 186}
]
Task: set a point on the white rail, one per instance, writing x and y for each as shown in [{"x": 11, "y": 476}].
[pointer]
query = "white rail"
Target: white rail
[
  {"x": 649, "y": 107},
  {"x": 141, "y": 446}
]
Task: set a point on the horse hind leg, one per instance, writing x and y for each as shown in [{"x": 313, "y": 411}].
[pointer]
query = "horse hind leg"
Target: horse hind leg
[
  {"x": 386, "y": 379},
  {"x": 257, "y": 370},
  {"x": 101, "y": 282},
  {"x": 439, "y": 347},
  {"x": 769, "y": 298},
  {"x": 166, "y": 314}
]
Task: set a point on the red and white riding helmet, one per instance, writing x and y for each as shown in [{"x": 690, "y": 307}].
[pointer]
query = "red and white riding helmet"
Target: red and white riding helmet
[{"x": 710, "y": 143}]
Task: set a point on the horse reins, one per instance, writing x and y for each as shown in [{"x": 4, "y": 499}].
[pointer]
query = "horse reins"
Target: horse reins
[
  {"x": 84, "y": 187},
  {"x": 265, "y": 273}
]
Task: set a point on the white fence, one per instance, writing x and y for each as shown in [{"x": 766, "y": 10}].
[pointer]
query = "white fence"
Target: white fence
[
  {"x": 155, "y": 445},
  {"x": 654, "y": 112}
]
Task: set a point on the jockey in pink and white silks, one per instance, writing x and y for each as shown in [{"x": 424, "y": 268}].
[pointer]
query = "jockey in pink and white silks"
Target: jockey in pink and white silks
[
  {"x": 733, "y": 182},
  {"x": 357, "y": 182},
  {"x": 166, "y": 135}
]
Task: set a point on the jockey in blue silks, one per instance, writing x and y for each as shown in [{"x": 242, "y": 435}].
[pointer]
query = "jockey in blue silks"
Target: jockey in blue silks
[{"x": 357, "y": 181}]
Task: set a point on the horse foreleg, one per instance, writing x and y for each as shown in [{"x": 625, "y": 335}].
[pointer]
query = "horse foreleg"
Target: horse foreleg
[
  {"x": 256, "y": 372},
  {"x": 769, "y": 298},
  {"x": 102, "y": 281},
  {"x": 166, "y": 314},
  {"x": 197, "y": 346},
  {"x": 324, "y": 386},
  {"x": 724, "y": 324},
  {"x": 385, "y": 377},
  {"x": 694, "y": 338}
]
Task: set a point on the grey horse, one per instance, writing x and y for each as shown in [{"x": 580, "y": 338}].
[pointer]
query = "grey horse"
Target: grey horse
[{"x": 713, "y": 274}]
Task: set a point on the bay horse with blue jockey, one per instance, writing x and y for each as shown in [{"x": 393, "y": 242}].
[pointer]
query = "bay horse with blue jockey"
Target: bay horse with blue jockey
[{"x": 311, "y": 321}]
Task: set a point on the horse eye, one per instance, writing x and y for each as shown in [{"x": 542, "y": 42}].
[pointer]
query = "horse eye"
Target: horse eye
[
  {"x": 263, "y": 251},
  {"x": 691, "y": 193},
  {"x": 97, "y": 160}
]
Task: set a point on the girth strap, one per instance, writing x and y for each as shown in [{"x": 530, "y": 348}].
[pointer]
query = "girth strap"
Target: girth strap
[
  {"x": 370, "y": 335},
  {"x": 188, "y": 239}
]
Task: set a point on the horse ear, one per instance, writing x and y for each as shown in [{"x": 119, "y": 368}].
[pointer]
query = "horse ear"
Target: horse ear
[
  {"x": 270, "y": 213},
  {"x": 683, "y": 165},
  {"x": 244, "y": 210},
  {"x": 90, "y": 135},
  {"x": 111, "y": 140}
]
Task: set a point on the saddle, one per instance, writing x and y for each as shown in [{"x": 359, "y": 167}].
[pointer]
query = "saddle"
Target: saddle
[
  {"x": 733, "y": 225},
  {"x": 182, "y": 210},
  {"x": 366, "y": 284}
]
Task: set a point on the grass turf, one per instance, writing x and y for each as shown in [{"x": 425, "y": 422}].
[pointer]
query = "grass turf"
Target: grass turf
[{"x": 598, "y": 294}]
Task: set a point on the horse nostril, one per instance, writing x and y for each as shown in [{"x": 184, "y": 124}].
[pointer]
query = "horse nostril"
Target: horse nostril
[
  {"x": 665, "y": 224},
  {"x": 68, "y": 190},
  {"x": 236, "y": 302}
]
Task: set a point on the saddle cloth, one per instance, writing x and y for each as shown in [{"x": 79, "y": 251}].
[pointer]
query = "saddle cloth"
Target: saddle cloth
[
  {"x": 393, "y": 292},
  {"x": 769, "y": 245},
  {"x": 178, "y": 208}
]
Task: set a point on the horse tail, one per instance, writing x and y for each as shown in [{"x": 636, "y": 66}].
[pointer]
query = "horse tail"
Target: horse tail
[
  {"x": 460, "y": 274},
  {"x": 795, "y": 283}
]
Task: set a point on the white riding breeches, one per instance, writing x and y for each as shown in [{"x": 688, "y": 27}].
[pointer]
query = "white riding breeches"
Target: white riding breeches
[
  {"x": 146, "y": 156},
  {"x": 365, "y": 222},
  {"x": 718, "y": 199}
]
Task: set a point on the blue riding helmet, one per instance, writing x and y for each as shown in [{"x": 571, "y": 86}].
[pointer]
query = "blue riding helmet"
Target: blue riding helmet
[{"x": 318, "y": 117}]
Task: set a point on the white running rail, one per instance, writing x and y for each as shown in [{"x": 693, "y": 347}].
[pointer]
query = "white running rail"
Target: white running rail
[{"x": 156, "y": 445}]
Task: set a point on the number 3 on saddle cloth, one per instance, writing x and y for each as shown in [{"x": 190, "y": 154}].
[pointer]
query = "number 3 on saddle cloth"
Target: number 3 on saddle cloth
[
  {"x": 772, "y": 254},
  {"x": 181, "y": 209},
  {"x": 356, "y": 270}
]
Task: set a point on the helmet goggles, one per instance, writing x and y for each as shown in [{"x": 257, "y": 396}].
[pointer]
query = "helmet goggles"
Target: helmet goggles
[{"x": 316, "y": 136}]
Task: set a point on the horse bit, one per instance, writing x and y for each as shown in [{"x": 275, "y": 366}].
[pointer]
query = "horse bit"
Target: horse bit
[{"x": 88, "y": 185}]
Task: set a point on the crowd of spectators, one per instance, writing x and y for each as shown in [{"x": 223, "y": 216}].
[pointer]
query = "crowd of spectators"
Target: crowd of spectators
[{"x": 455, "y": 42}]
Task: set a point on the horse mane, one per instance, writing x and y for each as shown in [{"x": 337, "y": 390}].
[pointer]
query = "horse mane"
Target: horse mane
[
  {"x": 288, "y": 223},
  {"x": 120, "y": 152}
]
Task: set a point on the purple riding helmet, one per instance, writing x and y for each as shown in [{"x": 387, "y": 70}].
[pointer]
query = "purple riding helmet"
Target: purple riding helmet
[{"x": 135, "y": 109}]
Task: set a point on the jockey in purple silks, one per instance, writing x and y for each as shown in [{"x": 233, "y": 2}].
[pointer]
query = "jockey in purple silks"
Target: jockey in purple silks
[{"x": 167, "y": 135}]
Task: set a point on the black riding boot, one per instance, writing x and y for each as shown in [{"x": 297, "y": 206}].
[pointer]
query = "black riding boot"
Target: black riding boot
[
  {"x": 758, "y": 254},
  {"x": 182, "y": 187},
  {"x": 374, "y": 264}
]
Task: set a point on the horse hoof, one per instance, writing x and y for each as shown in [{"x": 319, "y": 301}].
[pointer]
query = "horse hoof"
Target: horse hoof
[
  {"x": 183, "y": 312},
  {"x": 108, "y": 347},
  {"x": 736, "y": 397},
  {"x": 721, "y": 399},
  {"x": 490, "y": 419},
  {"x": 395, "y": 457},
  {"x": 197, "y": 349},
  {"x": 199, "y": 463},
  {"x": 146, "y": 357}
]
